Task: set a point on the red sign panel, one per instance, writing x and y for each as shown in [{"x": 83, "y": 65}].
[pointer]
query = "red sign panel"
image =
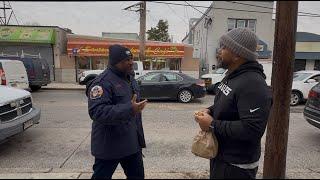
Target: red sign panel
[{"x": 101, "y": 49}]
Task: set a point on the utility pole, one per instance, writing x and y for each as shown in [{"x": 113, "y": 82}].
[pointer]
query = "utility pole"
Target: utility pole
[
  {"x": 282, "y": 73},
  {"x": 142, "y": 33},
  {"x": 142, "y": 30}
]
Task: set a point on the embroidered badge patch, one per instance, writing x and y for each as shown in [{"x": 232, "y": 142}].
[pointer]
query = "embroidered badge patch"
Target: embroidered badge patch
[{"x": 96, "y": 92}]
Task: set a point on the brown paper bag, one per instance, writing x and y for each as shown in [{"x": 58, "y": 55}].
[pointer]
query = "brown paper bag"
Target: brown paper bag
[{"x": 205, "y": 144}]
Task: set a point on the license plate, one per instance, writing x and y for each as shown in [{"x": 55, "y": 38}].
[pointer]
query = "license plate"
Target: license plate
[{"x": 27, "y": 124}]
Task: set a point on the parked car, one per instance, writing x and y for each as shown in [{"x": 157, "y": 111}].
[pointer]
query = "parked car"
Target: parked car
[
  {"x": 170, "y": 85},
  {"x": 13, "y": 73},
  {"x": 17, "y": 112},
  {"x": 212, "y": 80},
  {"x": 38, "y": 70},
  {"x": 312, "y": 109},
  {"x": 303, "y": 81},
  {"x": 87, "y": 76}
]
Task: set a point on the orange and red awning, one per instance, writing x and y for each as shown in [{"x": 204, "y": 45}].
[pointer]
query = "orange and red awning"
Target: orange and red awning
[{"x": 86, "y": 46}]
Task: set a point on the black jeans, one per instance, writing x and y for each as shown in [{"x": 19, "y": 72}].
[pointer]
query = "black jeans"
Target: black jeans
[
  {"x": 222, "y": 170},
  {"x": 132, "y": 166}
]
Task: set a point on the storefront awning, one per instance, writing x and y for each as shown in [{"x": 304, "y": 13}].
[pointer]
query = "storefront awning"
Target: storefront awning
[{"x": 89, "y": 47}]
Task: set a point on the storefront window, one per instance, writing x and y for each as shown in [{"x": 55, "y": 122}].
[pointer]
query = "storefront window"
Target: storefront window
[
  {"x": 83, "y": 62},
  {"x": 158, "y": 64},
  {"x": 91, "y": 63},
  {"x": 98, "y": 63},
  {"x": 174, "y": 64},
  {"x": 147, "y": 64}
]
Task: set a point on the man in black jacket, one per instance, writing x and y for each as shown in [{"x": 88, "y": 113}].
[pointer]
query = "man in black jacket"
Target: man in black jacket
[{"x": 241, "y": 108}]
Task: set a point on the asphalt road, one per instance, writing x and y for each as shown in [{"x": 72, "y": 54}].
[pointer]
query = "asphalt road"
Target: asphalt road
[{"x": 61, "y": 142}]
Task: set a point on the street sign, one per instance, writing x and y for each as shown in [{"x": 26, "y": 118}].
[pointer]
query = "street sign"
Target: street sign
[{"x": 74, "y": 51}]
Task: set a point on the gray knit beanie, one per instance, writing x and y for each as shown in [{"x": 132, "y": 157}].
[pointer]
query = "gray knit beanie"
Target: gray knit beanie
[{"x": 241, "y": 41}]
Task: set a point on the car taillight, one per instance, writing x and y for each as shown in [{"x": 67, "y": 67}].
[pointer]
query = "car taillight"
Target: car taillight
[
  {"x": 3, "y": 77},
  {"x": 312, "y": 94},
  {"x": 201, "y": 83}
]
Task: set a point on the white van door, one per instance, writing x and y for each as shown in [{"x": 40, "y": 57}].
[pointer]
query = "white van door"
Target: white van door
[
  {"x": 15, "y": 74},
  {"x": 138, "y": 69}
]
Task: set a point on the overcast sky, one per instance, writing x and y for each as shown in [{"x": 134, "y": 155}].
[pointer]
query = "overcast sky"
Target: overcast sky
[{"x": 92, "y": 18}]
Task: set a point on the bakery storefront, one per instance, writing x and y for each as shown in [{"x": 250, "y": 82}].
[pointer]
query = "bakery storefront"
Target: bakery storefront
[{"x": 91, "y": 53}]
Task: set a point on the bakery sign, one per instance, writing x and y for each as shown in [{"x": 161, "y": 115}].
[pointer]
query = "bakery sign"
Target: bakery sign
[{"x": 150, "y": 51}]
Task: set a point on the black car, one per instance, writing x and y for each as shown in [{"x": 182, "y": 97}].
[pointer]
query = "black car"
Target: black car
[
  {"x": 312, "y": 108},
  {"x": 170, "y": 85},
  {"x": 37, "y": 69}
]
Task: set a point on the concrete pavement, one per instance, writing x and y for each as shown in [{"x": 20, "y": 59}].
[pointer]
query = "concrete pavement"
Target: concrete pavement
[
  {"x": 72, "y": 174},
  {"x": 59, "y": 147}
]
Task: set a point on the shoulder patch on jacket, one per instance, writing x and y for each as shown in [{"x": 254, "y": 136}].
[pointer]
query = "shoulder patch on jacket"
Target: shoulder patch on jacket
[{"x": 96, "y": 92}]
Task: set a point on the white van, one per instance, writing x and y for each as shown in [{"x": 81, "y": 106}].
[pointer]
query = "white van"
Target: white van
[
  {"x": 14, "y": 74},
  {"x": 87, "y": 76}
]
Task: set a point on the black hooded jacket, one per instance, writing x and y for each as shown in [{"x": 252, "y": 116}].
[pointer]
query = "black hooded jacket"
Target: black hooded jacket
[{"x": 240, "y": 112}]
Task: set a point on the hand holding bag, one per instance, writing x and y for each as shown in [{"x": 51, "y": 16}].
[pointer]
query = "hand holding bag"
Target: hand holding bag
[{"x": 205, "y": 145}]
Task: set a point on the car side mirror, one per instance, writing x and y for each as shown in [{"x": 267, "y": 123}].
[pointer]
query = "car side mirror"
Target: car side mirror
[{"x": 311, "y": 81}]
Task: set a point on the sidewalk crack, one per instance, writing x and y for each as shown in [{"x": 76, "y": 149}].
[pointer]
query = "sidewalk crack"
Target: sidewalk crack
[{"x": 74, "y": 151}]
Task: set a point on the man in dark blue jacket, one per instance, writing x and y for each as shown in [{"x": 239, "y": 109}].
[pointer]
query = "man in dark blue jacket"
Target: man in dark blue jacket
[{"x": 115, "y": 108}]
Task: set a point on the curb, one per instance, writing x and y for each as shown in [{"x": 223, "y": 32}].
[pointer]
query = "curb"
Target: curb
[{"x": 63, "y": 88}]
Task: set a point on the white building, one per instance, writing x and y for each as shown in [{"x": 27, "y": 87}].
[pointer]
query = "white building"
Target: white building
[{"x": 221, "y": 17}]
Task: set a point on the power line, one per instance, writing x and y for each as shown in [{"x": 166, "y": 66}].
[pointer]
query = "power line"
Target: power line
[
  {"x": 305, "y": 14},
  {"x": 177, "y": 14},
  {"x": 185, "y": 8},
  {"x": 269, "y": 7},
  {"x": 177, "y": 4},
  {"x": 197, "y": 9}
]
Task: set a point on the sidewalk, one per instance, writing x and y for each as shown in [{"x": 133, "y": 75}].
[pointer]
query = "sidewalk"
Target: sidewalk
[
  {"x": 52, "y": 174},
  {"x": 57, "y": 174},
  {"x": 64, "y": 86}
]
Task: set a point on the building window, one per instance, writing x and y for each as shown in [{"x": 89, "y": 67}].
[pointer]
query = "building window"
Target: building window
[
  {"x": 242, "y": 23},
  {"x": 231, "y": 24}
]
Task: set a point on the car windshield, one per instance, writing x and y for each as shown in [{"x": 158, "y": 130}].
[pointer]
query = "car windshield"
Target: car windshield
[
  {"x": 219, "y": 71},
  {"x": 300, "y": 76}
]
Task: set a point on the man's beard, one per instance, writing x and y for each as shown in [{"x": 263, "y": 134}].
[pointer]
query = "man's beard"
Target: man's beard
[{"x": 222, "y": 64}]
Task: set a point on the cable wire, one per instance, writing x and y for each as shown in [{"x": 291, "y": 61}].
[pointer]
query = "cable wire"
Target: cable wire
[{"x": 303, "y": 14}]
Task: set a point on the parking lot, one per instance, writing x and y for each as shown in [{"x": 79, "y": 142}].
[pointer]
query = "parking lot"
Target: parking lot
[{"x": 61, "y": 142}]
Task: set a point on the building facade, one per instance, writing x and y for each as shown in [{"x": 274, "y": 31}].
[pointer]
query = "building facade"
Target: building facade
[
  {"x": 307, "y": 56},
  {"x": 68, "y": 54},
  {"x": 221, "y": 17},
  {"x": 91, "y": 53},
  {"x": 47, "y": 42}
]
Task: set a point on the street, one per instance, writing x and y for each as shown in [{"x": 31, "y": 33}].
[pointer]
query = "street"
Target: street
[{"x": 61, "y": 142}]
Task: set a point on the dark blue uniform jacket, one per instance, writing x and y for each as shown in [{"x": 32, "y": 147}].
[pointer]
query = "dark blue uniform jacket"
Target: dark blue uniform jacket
[{"x": 116, "y": 132}]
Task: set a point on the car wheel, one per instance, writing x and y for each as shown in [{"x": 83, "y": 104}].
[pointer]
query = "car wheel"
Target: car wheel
[
  {"x": 295, "y": 98},
  {"x": 185, "y": 96},
  {"x": 35, "y": 88}
]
